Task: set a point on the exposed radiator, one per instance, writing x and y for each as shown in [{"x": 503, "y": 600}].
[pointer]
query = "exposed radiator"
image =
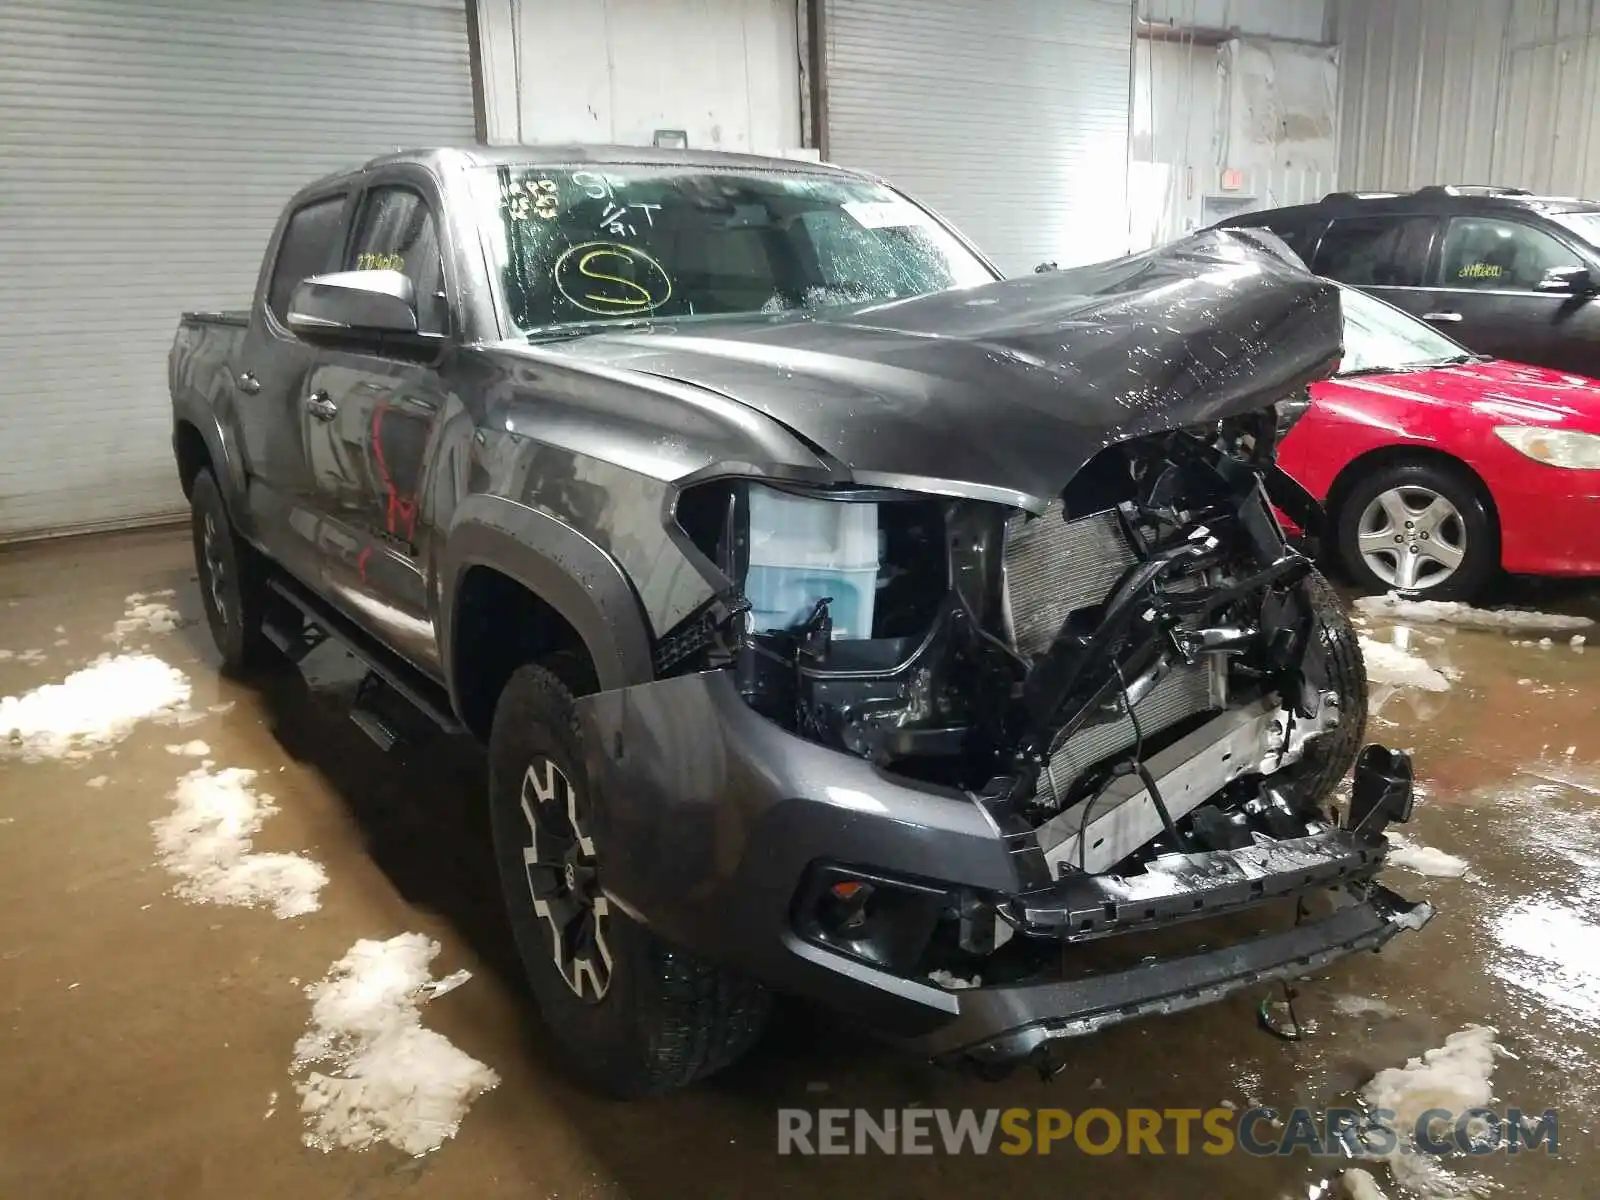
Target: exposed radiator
[
  {"x": 1055, "y": 567},
  {"x": 1186, "y": 690}
]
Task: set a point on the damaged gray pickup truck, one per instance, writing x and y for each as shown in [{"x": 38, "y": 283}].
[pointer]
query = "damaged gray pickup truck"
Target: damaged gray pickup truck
[{"x": 841, "y": 620}]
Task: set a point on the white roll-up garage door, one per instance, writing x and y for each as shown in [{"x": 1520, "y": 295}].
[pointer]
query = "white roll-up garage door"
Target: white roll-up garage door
[
  {"x": 1008, "y": 116},
  {"x": 146, "y": 148}
]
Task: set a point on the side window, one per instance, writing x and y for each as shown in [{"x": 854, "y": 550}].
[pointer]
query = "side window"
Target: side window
[
  {"x": 396, "y": 232},
  {"x": 310, "y": 241},
  {"x": 1299, "y": 236},
  {"x": 1376, "y": 251},
  {"x": 1484, "y": 252}
]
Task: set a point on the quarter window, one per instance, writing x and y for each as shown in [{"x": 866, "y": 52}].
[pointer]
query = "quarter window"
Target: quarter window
[
  {"x": 310, "y": 241},
  {"x": 397, "y": 232},
  {"x": 1495, "y": 255},
  {"x": 1376, "y": 251}
]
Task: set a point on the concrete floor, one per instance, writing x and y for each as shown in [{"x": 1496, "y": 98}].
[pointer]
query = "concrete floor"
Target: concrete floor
[{"x": 143, "y": 1037}]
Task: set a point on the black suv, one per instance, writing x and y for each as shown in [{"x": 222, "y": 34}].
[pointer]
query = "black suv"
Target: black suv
[{"x": 1500, "y": 270}]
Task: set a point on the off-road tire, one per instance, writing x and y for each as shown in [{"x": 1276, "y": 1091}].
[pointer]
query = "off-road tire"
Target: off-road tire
[
  {"x": 236, "y": 621},
  {"x": 1328, "y": 757},
  {"x": 667, "y": 1018}
]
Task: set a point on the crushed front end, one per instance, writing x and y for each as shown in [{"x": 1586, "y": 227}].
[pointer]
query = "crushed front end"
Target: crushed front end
[{"x": 991, "y": 776}]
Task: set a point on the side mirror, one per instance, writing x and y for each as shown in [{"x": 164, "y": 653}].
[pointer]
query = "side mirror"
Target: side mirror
[
  {"x": 354, "y": 302},
  {"x": 1575, "y": 281}
]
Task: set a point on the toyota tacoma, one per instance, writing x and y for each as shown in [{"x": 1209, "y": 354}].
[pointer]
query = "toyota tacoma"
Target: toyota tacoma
[{"x": 841, "y": 619}]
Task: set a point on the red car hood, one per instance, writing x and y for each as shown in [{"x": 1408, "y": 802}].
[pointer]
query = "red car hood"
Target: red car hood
[{"x": 1509, "y": 391}]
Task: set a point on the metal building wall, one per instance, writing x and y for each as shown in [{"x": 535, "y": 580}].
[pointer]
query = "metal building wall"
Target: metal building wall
[
  {"x": 1469, "y": 91},
  {"x": 1009, "y": 117},
  {"x": 725, "y": 72},
  {"x": 145, "y": 153}
]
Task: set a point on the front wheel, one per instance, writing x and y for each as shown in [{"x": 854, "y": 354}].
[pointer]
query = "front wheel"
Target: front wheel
[
  {"x": 1328, "y": 757},
  {"x": 1421, "y": 529},
  {"x": 631, "y": 1013}
]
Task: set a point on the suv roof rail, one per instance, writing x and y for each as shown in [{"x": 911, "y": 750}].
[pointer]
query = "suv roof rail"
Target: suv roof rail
[
  {"x": 1471, "y": 189},
  {"x": 1360, "y": 196}
]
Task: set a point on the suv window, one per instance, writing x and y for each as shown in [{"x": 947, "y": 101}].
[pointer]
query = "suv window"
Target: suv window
[
  {"x": 310, "y": 240},
  {"x": 397, "y": 232},
  {"x": 1376, "y": 251},
  {"x": 1299, "y": 236},
  {"x": 1493, "y": 254}
]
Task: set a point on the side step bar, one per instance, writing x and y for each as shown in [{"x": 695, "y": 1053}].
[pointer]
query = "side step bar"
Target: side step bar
[{"x": 420, "y": 692}]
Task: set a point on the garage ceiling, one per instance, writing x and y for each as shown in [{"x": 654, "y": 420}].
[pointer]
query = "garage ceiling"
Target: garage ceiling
[
  {"x": 1010, "y": 117},
  {"x": 146, "y": 151}
]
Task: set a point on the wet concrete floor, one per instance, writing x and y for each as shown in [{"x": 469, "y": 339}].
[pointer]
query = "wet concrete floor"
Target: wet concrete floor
[{"x": 145, "y": 1042}]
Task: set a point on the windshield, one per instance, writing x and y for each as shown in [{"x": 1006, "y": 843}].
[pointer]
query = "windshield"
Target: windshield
[
  {"x": 576, "y": 246},
  {"x": 1585, "y": 224},
  {"x": 1379, "y": 337}
]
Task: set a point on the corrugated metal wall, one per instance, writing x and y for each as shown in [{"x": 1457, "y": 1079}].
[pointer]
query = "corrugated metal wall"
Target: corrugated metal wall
[
  {"x": 145, "y": 153},
  {"x": 726, "y": 72},
  {"x": 1469, "y": 91},
  {"x": 1010, "y": 117}
]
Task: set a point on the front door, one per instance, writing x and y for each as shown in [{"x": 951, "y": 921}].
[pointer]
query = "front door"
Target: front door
[
  {"x": 1484, "y": 293},
  {"x": 371, "y": 426}
]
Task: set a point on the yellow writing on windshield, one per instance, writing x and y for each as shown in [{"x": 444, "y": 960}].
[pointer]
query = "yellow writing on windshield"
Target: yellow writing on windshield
[{"x": 611, "y": 279}]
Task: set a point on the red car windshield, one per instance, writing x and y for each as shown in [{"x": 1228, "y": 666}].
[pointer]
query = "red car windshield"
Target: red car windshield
[{"x": 1379, "y": 337}]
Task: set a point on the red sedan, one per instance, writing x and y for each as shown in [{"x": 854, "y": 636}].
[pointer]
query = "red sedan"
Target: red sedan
[{"x": 1437, "y": 465}]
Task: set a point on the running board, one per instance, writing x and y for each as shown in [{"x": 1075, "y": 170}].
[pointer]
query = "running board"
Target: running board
[{"x": 421, "y": 693}]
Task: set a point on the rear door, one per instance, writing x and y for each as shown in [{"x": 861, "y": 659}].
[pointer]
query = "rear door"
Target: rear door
[
  {"x": 1484, "y": 294},
  {"x": 271, "y": 382},
  {"x": 371, "y": 426},
  {"x": 1386, "y": 254}
]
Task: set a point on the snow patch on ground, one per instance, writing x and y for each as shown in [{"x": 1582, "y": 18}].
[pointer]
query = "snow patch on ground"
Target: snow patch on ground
[
  {"x": 1357, "y": 1184},
  {"x": 195, "y": 749},
  {"x": 1363, "y": 1006},
  {"x": 1424, "y": 860},
  {"x": 145, "y": 614},
  {"x": 1454, "y": 1076},
  {"x": 205, "y": 842},
  {"x": 1453, "y": 612},
  {"x": 92, "y": 708},
  {"x": 1388, "y": 663},
  {"x": 391, "y": 1080}
]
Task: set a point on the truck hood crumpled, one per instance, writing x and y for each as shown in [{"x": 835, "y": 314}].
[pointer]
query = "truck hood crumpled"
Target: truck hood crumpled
[{"x": 1005, "y": 391}]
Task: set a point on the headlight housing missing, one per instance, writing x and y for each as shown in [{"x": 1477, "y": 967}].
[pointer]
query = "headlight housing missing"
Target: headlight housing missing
[{"x": 1553, "y": 447}]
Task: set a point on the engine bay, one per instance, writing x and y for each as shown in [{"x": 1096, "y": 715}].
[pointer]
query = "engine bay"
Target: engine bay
[{"x": 1037, "y": 660}]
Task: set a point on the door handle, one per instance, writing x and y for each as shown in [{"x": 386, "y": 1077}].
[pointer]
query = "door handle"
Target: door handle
[
  {"x": 321, "y": 406},
  {"x": 248, "y": 383},
  {"x": 1441, "y": 316}
]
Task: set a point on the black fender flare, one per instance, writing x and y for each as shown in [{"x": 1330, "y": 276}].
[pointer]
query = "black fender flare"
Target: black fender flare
[
  {"x": 560, "y": 566},
  {"x": 222, "y": 448}
]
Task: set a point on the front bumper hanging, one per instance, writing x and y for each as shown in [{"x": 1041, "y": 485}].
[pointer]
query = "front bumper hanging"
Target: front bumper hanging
[{"x": 999, "y": 1025}]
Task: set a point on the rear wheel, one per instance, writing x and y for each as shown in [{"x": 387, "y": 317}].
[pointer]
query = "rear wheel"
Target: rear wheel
[
  {"x": 232, "y": 578},
  {"x": 1421, "y": 529},
  {"x": 631, "y": 1013}
]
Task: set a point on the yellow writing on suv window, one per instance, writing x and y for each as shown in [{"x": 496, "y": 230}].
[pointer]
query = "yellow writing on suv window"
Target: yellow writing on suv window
[
  {"x": 1479, "y": 271},
  {"x": 380, "y": 262}
]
